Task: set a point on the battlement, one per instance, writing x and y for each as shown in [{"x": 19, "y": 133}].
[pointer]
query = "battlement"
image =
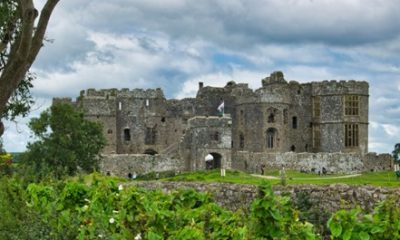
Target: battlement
[
  {"x": 213, "y": 121},
  {"x": 340, "y": 87},
  {"x": 124, "y": 92}
]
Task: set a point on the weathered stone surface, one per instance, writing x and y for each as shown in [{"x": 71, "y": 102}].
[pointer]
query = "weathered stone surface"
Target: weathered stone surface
[
  {"x": 124, "y": 164},
  {"x": 259, "y": 126},
  {"x": 312, "y": 162}
]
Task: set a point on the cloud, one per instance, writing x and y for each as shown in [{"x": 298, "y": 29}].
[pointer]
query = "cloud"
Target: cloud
[{"x": 174, "y": 44}]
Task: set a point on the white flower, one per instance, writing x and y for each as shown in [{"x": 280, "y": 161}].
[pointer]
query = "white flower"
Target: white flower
[
  {"x": 86, "y": 200},
  {"x": 120, "y": 187},
  {"x": 111, "y": 221},
  {"x": 115, "y": 211},
  {"x": 100, "y": 236},
  {"x": 84, "y": 208},
  {"x": 138, "y": 237}
]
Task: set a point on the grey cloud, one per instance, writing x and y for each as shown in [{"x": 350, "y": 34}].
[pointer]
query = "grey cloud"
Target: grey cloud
[{"x": 244, "y": 22}]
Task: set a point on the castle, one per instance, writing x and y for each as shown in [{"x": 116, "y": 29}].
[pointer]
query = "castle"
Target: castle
[{"x": 226, "y": 123}]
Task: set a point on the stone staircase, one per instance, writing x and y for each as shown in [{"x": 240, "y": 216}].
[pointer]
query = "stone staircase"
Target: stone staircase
[{"x": 171, "y": 151}]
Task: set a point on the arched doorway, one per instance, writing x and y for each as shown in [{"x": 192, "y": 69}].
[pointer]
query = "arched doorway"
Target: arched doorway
[
  {"x": 213, "y": 160},
  {"x": 150, "y": 152}
]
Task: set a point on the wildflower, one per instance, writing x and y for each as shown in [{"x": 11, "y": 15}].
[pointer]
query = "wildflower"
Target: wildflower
[
  {"x": 111, "y": 221},
  {"x": 120, "y": 187},
  {"x": 86, "y": 200},
  {"x": 84, "y": 208},
  {"x": 138, "y": 237},
  {"x": 115, "y": 211}
]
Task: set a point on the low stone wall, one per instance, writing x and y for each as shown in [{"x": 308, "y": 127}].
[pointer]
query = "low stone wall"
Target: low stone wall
[
  {"x": 320, "y": 199},
  {"x": 332, "y": 162},
  {"x": 123, "y": 164},
  {"x": 378, "y": 162}
]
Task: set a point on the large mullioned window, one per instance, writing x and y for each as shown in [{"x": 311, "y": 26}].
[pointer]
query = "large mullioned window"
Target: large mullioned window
[
  {"x": 351, "y": 105},
  {"x": 351, "y": 135}
]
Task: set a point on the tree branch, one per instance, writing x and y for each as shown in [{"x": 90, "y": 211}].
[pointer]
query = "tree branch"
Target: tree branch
[{"x": 37, "y": 41}]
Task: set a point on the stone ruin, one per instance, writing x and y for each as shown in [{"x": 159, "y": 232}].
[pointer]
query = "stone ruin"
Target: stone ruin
[{"x": 292, "y": 124}]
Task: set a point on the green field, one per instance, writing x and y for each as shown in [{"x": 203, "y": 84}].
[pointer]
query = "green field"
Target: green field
[{"x": 386, "y": 179}]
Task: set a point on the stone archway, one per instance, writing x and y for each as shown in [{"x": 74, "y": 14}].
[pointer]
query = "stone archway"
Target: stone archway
[
  {"x": 213, "y": 160},
  {"x": 150, "y": 152}
]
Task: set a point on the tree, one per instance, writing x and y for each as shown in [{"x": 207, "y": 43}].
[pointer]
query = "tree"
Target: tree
[
  {"x": 21, "y": 38},
  {"x": 396, "y": 153},
  {"x": 66, "y": 142}
]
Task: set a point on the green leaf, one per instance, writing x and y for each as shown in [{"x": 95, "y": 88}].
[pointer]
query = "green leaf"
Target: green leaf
[
  {"x": 335, "y": 227},
  {"x": 347, "y": 235},
  {"x": 364, "y": 236}
]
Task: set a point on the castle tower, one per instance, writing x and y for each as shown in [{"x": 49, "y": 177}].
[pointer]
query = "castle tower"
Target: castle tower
[{"x": 340, "y": 116}]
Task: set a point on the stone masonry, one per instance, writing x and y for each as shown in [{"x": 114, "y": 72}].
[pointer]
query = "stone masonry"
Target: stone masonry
[{"x": 325, "y": 117}]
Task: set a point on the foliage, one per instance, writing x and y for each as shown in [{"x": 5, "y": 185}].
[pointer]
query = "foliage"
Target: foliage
[
  {"x": 18, "y": 221},
  {"x": 102, "y": 209},
  {"x": 5, "y": 163},
  {"x": 396, "y": 153},
  {"x": 274, "y": 218},
  {"x": 21, "y": 101},
  {"x": 383, "y": 223},
  {"x": 75, "y": 210},
  {"x": 66, "y": 143}
]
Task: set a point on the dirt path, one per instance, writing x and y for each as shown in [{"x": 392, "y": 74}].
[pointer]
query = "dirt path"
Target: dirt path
[{"x": 316, "y": 178}]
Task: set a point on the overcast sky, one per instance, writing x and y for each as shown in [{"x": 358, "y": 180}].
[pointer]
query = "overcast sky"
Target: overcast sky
[{"x": 174, "y": 44}]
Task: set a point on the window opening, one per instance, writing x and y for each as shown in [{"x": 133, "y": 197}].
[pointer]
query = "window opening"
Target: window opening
[
  {"x": 351, "y": 105},
  {"x": 127, "y": 134},
  {"x": 351, "y": 135},
  {"x": 294, "y": 122},
  {"x": 241, "y": 141},
  {"x": 271, "y": 136}
]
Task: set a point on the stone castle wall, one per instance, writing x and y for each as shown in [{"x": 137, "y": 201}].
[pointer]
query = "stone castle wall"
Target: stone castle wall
[
  {"x": 123, "y": 164},
  {"x": 328, "y": 198},
  {"x": 332, "y": 162}
]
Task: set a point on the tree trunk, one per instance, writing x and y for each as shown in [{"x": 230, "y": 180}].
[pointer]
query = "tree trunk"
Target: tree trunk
[{"x": 24, "y": 49}]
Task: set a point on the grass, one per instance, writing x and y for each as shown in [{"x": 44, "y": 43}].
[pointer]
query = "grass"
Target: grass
[{"x": 385, "y": 179}]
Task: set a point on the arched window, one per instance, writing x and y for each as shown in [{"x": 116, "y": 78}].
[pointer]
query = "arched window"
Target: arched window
[
  {"x": 271, "y": 138},
  {"x": 293, "y": 148},
  {"x": 271, "y": 118}
]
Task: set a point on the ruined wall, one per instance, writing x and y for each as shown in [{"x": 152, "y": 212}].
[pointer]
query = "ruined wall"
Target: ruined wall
[
  {"x": 299, "y": 137},
  {"x": 378, "y": 162},
  {"x": 321, "y": 199},
  {"x": 332, "y": 162},
  {"x": 147, "y": 114},
  {"x": 123, "y": 164}
]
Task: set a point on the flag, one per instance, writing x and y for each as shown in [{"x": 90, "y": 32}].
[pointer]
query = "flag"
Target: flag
[{"x": 221, "y": 107}]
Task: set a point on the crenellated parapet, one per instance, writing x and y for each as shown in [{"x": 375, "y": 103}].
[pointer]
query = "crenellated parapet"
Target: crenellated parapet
[
  {"x": 124, "y": 92},
  {"x": 334, "y": 87},
  {"x": 207, "y": 122}
]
